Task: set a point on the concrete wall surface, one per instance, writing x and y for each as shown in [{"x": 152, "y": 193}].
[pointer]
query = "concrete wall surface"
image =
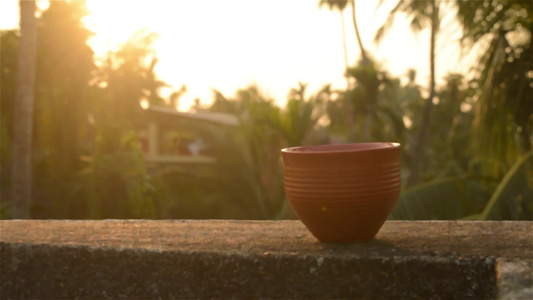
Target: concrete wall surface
[{"x": 204, "y": 259}]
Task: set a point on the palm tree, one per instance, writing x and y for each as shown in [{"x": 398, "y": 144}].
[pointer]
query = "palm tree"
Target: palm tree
[
  {"x": 501, "y": 31},
  {"x": 23, "y": 112},
  {"x": 503, "y": 108},
  {"x": 377, "y": 103},
  {"x": 421, "y": 14},
  {"x": 341, "y": 5},
  {"x": 297, "y": 121},
  {"x": 357, "y": 35}
]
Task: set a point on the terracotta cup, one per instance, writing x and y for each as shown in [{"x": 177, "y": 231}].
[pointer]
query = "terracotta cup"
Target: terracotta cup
[{"x": 342, "y": 193}]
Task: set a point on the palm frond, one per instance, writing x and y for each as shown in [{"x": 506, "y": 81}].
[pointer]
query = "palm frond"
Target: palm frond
[
  {"x": 334, "y": 4},
  {"x": 444, "y": 199},
  {"x": 513, "y": 198},
  {"x": 383, "y": 29}
]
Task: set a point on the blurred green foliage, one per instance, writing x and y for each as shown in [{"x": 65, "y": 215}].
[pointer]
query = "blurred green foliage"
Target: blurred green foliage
[{"x": 89, "y": 163}]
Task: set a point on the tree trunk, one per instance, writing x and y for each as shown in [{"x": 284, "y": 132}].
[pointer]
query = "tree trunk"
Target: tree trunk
[
  {"x": 356, "y": 28},
  {"x": 23, "y": 112},
  {"x": 368, "y": 121},
  {"x": 344, "y": 41},
  {"x": 364, "y": 61},
  {"x": 418, "y": 151},
  {"x": 349, "y": 104}
]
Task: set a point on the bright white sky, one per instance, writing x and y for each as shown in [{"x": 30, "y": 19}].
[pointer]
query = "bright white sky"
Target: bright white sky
[{"x": 227, "y": 45}]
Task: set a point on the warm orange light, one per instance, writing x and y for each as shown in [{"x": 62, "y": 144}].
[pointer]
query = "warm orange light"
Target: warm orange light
[
  {"x": 227, "y": 45},
  {"x": 144, "y": 104},
  {"x": 113, "y": 22}
]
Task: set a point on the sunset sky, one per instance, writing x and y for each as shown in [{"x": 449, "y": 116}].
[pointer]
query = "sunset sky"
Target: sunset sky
[{"x": 227, "y": 45}]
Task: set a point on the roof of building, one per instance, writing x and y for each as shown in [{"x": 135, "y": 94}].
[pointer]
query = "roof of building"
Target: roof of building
[{"x": 214, "y": 117}]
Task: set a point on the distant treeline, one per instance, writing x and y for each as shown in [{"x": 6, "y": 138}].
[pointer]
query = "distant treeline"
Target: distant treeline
[{"x": 466, "y": 144}]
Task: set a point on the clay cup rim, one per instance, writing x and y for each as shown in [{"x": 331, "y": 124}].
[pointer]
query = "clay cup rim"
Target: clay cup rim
[{"x": 341, "y": 148}]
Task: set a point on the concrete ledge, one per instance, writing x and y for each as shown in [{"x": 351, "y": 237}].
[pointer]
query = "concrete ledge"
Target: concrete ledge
[{"x": 262, "y": 259}]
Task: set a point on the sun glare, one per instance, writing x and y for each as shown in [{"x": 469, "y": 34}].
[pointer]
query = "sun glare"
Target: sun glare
[
  {"x": 227, "y": 45},
  {"x": 113, "y": 22},
  {"x": 223, "y": 45}
]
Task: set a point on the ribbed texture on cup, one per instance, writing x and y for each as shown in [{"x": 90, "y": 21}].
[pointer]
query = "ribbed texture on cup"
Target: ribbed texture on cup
[{"x": 343, "y": 197}]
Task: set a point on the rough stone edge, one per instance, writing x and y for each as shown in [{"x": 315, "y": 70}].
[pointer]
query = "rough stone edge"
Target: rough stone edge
[
  {"x": 309, "y": 264},
  {"x": 514, "y": 278}
]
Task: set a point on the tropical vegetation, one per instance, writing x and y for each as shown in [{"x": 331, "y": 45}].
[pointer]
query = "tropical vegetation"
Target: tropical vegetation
[{"x": 466, "y": 144}]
